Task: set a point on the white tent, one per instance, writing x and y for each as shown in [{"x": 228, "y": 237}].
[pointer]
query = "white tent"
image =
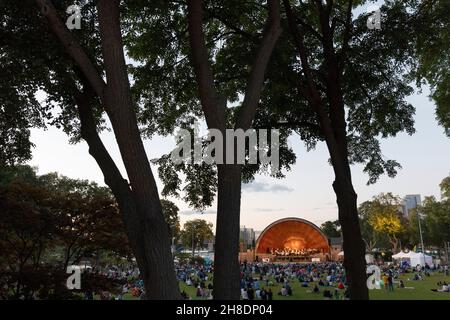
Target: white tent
[
  {"x": 369, "y": 258},
  {"x": 414, "y": 258},
  {"x": 420, "y": 259},
  {"x": 400, "y": 255}
]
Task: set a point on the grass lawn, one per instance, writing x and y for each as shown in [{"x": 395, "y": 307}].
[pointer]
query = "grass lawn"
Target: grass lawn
[{"x": 421, "y": 291}]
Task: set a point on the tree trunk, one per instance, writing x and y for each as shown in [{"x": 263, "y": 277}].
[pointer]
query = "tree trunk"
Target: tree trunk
[
  {"x": 354, "y": 248},
  {"x": 226, "y": 266},
  {"x": 149, "y": 224},
  {"x": 160, "y": 282},
  {"x": 394, "y": 242},
  {"x": 139, "y": 202},
  {"x": 226, "y": 257}
]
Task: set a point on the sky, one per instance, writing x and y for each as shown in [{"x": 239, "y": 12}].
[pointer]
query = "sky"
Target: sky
[{"x": 306, "y": 192}]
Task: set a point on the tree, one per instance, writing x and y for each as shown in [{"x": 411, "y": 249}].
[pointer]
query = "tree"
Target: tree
[
  {"x": 331, "y": 229},
  {"x": 436, "y": 220},
  {"x": 84, "y": 72},
  {"x": 371, "y": 238},
  {"x": 431, "y": 25},
  {"x": 170, "y": 211},
  {"x": 385, "y": 218},
  {"x": 362, "y": 81},
  {"x": 445, "y": 188},
  {"x": 214, "y": 105},
  {"x": 27, "y": 229},
  {"x": 328, "y": 44},
  {"x": 48, "y": 222},
  {"x": 195, "y": 232},
  {"x": 358, "y": 75}
]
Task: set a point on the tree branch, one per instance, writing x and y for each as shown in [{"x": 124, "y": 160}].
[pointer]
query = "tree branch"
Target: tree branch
[
  {"x": 212, "y": 103},
  {"x": 347, "y": 35},
  {"x": 311, "y": 92},
  {"x": 113, "y": 177},
  {"x": 73, "y": 48},
  {"x": 256, "y": 79},
  {"x": 298, "y": 37},
  {"x": 231, "y": 26}
]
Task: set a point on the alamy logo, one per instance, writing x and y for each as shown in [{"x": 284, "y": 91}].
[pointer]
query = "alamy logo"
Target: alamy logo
[
  {"x": 74, "y": 20},
  {"x": 237, "y": 151},
  {"x": 373, "y": 281},
  {"x": 374, "y": 19},
  {"x": 74, "y": 280}
]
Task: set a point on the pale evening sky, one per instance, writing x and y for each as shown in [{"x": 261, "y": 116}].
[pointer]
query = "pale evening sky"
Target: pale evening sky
[{"x": 306, "y": 191}]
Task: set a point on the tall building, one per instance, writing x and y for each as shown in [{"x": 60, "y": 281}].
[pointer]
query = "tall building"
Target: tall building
[
  {"x": 247, "y": 238},
  {"x": 410, "y": 201}
]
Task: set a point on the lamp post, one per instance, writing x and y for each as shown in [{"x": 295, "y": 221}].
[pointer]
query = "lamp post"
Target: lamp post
[
  {"x": 173, "y": 246},
  {"x": 420, "y": 231}
]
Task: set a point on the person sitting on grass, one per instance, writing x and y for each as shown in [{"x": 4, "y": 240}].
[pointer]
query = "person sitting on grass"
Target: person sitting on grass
[
  {"x": 244, "y": 294},
  {"x": 184, "y": 295},
  {"x": 288, "y": 289},
  {"x": 417, "y": 277},
  {"x": 263, "y": 294},
  {"x": 316, "y": 289},
  {"x": 444, "y": 288},
  {"x": 337, "y": 295},
  {"x": 327, "y": 295}
]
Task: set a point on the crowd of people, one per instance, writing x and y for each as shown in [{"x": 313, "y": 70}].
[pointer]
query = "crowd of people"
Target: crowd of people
[
  {"x": 197, "y": 276},
  {"x": 306, "y": 252},
  {"x": 261, "y": 281},
  {"x": 317, "y": 277},
  {"x": 126, "y": 276}
]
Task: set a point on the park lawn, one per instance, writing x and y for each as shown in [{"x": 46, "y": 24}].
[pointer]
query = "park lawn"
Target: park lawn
[{"x": 421, "y": 291}]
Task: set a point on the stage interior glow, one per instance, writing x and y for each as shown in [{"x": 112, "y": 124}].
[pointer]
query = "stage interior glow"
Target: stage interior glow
[{"x": 293, "y": 236}]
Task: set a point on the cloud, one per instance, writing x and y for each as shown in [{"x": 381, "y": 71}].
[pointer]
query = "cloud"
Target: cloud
[
  {"x": 268, "y": 210},
  {"x": 328, "y": 207},
  {"x": 191, "y": 212},
  {"x": 265, "y": 187}
]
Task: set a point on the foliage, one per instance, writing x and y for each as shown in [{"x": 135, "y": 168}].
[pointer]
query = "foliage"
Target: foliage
[
  {"x": 381, "y": 217},
  {"x": 170, "y": 211},
  {"x": 445, "y": 188},
  {"x": 48, "y": 218},
  {"x": 431, "y": 25},
  {"x": 197, "y": 260},
  {"x": 331, "y": 229},
  {"x": 195, "y": 233},
  {"x": 436, "y": 221}
]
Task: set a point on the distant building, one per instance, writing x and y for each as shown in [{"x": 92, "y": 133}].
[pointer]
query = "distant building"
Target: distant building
[
  {"x": 209, "y": 244},
  {"x": 336, "y": 245},
  {"x": 246, "y": 239},
  {"x": 410, "y": 202}
]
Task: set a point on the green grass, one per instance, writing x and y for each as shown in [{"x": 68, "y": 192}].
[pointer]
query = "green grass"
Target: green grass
[{"x": 421, "y": 291}]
